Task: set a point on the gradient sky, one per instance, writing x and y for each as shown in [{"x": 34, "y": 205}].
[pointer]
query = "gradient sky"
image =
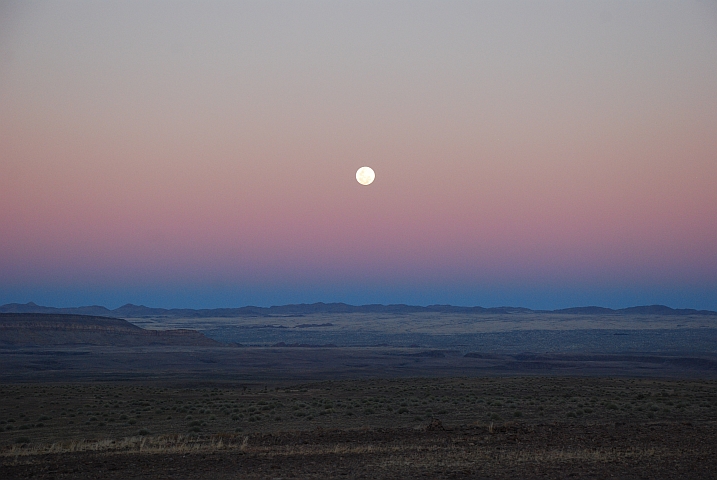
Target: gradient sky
[{"x": 202, "y": 154}]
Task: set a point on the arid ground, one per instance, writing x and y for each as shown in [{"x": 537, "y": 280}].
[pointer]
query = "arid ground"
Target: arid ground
[
  {"x": 475, "y": 398},
  {"x": 522, "y": 427}
]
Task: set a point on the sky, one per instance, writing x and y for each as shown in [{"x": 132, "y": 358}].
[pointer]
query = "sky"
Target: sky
[{"x": 542, "y": 154}]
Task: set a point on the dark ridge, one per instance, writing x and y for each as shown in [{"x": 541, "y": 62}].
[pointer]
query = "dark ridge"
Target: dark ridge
[
  {"x": 556, "y": 360},
  {"x": 94, "y": 310},
  {"x": 141, "y": 311},
  {"x": 427, "y": 353},
  {"x": 585, "y": 310},
  {"x": 663, "y": 310},
  {"x": 304, "y": 345},
  {"x": 42, "y": 329},
  {"x": 485, "y": 356},
  {"x": 642, "y": 310}
]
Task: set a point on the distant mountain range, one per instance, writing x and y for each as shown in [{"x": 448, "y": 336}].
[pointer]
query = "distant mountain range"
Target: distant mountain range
[{"x": 140, "y": 311}]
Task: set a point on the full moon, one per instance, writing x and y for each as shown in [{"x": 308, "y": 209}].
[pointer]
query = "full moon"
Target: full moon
[{"x": 365, "y": 175}]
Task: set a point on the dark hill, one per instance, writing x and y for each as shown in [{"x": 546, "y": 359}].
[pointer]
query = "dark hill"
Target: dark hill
[
  {"x": 140, "y": 311},
  {"x": 93, "y": 310},
  {"x": 37, "y": 329},
  {"x": 585, "y": 310}
]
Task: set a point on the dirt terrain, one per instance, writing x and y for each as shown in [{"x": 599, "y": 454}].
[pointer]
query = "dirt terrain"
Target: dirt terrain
[
  {"x": 91, "y": 397},
  {"x": 431, "y": 428},
  {"x": 265, "y": 366},
  {"x": 509, "y": 451}
]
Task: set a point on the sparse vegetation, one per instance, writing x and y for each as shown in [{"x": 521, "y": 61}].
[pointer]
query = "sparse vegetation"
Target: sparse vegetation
[
  {"x": 114, "y": 411},
  {"x": 474, "y": 413}
]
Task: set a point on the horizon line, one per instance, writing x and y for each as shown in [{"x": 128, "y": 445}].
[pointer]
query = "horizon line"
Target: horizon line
[{"x": 574, "y": 309}]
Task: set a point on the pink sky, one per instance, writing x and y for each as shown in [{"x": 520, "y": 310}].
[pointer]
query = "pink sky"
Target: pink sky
[{"x": 536, "y": 154}]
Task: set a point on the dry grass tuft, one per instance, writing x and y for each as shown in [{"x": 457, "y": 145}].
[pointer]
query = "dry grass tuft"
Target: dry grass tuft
[{"x": 135, "y": 444}]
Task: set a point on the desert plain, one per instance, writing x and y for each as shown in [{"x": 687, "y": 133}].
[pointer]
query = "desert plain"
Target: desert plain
[{"x": 360, "y": 395}]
